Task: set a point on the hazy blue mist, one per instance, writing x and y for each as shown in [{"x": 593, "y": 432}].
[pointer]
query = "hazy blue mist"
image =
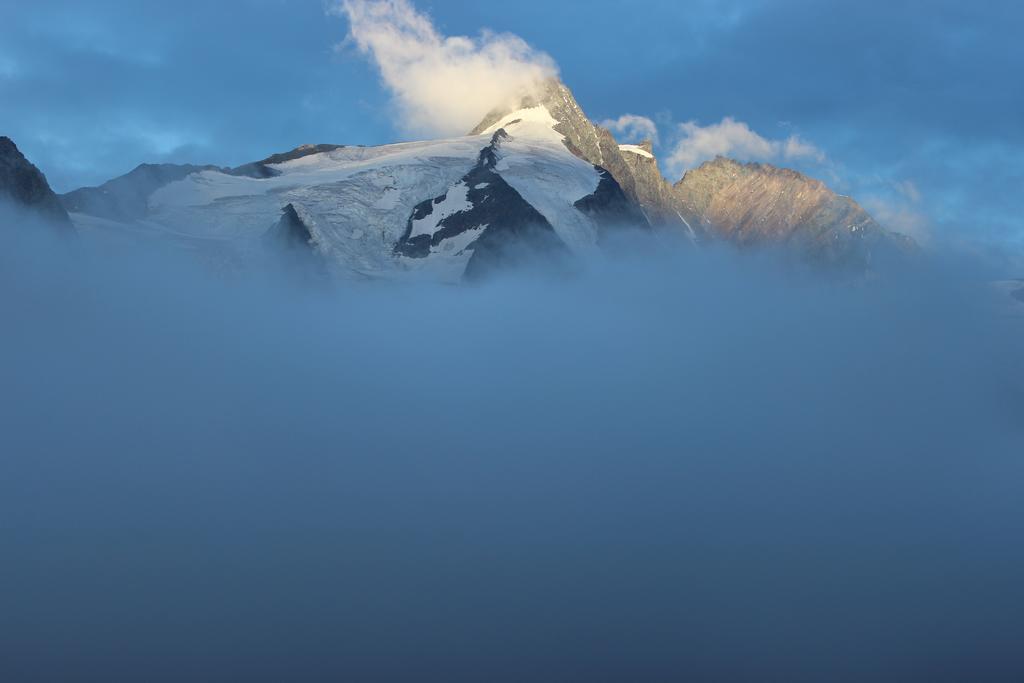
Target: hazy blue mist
[{"x": 677, "y": 465}]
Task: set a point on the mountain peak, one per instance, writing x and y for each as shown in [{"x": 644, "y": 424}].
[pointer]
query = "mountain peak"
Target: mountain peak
[
  {"x": 642, "y": 184},
  {"x": 549, "y": 94},
  {"x": 757, "y": 203},
  {"x": 722, "y": 166},
  {"x": 582, "y": 137}
]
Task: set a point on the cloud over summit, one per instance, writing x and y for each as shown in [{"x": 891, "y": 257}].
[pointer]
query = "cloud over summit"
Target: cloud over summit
[{"x": 442, "y": 85}]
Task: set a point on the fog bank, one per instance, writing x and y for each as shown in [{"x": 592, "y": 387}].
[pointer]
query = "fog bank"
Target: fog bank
[{"x": 673, "y": 465}]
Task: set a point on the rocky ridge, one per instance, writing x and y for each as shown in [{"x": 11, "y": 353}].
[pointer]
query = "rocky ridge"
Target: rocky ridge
[
  {"x": 25, "y": 186},
  {"x": 745, "y": 204},
  {"x": 598, "y": 146},
  {"x": 756, "y": 204}
]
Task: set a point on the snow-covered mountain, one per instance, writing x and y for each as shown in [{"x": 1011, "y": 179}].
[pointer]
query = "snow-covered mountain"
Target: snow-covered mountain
[
  {"x": 530, "y": 182},
  {"x": 451, "y": 208}
]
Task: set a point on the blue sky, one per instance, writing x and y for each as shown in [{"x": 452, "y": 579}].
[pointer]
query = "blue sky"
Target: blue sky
[{"x": 917, "y": 108}]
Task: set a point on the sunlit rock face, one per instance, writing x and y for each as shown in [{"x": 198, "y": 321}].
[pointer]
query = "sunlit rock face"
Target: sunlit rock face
[
  {"x": 650, "y": 189},
  {"x": 24, "y": 186},
  {"x": 755, "y": 204}
]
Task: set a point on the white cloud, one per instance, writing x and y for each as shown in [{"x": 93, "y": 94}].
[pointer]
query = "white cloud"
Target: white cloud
[
  {"x": 795, "y": 147},
  {"x": 632, "y": 128},
  {"x": 734, "y": 139},
  {"x": 443, "y": 85}
]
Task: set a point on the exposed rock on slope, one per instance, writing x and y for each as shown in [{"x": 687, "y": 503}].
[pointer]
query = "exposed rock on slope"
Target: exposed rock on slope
[
  {"x": 581, "y": 136},
  {"x": 292, "y": 243},
  {"x": 752, "y": 204},
  {"x": 25, "y": 186},
  {"x": 652, "y": 192},
  {"x": 291, "y": 232},
  {"x": 483, "y": 215},
  {"x": 596, "y": 145},
  {"x": 746, "y": 204},
  {"x": 609, "y": 207}
]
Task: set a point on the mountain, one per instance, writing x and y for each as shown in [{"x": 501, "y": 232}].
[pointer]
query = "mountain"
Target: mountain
[
  {"x": 482, "y": 210},
  {"x": 641, "y": 183},
  {"x": 25, "y": 187},
  {"x": 745, "y": 204},
  {"x": 652, "y": 191},
  {"x": 126, "y": 198},
  {"x": 452, "y": 209},
  {"x": 756, "y": 204},
  {"x": 535, "y": 182}
]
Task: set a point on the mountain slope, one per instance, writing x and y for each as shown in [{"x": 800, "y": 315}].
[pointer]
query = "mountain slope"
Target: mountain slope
[
  {"x": 482, "y": 214},
  {"x": 125, "y": 198},
  {"x": 757, "y": 204},
  {"x": 390, "y": 211},
  {"x": 538, "y": 173},
  {"x": 26, "y": 188},
  {"x": 597, "y": 145},
  {"x": 652, "y": 191},
  {"x": 745, "y": 204}
]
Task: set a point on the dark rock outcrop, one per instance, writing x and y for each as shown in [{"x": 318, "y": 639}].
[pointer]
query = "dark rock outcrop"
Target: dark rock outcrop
[
  {"x": 511, "y": 230},
  {"x": 290, "y": 232},
  {"x": 25, "y": 187},
  {"x": 291, "y": 246},
  {"x": 610, "y": 208}
]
